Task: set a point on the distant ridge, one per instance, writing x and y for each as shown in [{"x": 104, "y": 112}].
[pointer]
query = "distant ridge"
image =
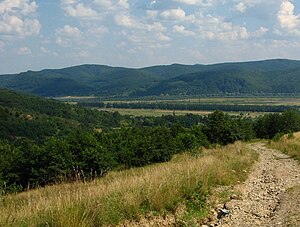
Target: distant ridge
[{"x": 273, "y": 77}]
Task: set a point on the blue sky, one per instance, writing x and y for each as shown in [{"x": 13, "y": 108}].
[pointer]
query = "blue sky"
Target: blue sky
[{"x": 39, "y": 34}]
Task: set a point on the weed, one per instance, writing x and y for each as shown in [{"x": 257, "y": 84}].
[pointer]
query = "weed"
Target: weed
[{"x": 127, "y": 195}]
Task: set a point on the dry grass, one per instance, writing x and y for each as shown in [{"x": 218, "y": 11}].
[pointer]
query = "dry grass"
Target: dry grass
[
  {"x": 289, "y": 145},
  {"x": 160, "y": 112},
  {"x": 128, "y": 194},
  {"x": 153, "y": 112}
]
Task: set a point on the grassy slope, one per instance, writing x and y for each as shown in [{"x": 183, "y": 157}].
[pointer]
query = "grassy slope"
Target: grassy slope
[
  {"x": 288, "y": 145},
  {"x": 128, "y": 194}
]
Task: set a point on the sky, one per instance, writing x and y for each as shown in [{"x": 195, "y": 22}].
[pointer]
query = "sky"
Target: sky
[{"x": 39, "y": 34}]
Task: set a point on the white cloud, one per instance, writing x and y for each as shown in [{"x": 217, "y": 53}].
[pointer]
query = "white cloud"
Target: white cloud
[
  {"x": 69, "y": 31},
  {"x": 216, "y": 28},
  {"x": 66, "y": 35},
  {"x": 17, "y": 18},
  {"x": 173, "y": 14},
  {"x": 25, "y": 7},
  {"x": 126, "y": 21},
  {"x": 11, "y": 25},
  {"x": 152, "y": 14},
  {"x": 68, "y": 2},
  {"x": 24, "y": 51},
  {"x": 143, "y": 40},
  {"x": 286, "y": 17},
  {"x": 260, "y": 32},
  {"x": 98, "y": 30},
  {"x": 113, "y": 4},
  {"x": 182, "y": 30},
  {"x": 123, "y": 4},
  {"x": 80, "y": 10},
  {"x": 160, "y": 36},
  {"x": 156, "y": 26},
  {"x": 44, "y": 50},
  {"x": 196, "y": 2},
  {"x": 104, "y": 3},
  {"x": 153, "y": 2},
  {"x": 241, "y": 7}
]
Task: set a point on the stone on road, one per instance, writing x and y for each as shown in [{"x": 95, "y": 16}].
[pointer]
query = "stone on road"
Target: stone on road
[{"x": 267, "y": 197}]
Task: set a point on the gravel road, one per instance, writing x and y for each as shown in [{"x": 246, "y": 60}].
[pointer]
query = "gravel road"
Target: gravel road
[{"x": 269, "y": 197}]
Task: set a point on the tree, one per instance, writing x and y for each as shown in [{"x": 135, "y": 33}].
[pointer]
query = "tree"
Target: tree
[{"x": 219, "y": 128}]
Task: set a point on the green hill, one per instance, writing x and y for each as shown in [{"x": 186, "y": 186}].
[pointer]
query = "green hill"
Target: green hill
[
  {"x": 36, "y": 118},
  {"x": 252, "y": 78},
  {"x": 276, "y": 77}
]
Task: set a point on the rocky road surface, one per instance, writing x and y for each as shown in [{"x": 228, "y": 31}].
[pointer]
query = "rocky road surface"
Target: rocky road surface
[{"x": 269, "y": 197}]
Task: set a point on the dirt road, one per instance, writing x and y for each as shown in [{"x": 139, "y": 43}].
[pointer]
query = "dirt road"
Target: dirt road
[{"x": 270, "y": 196}]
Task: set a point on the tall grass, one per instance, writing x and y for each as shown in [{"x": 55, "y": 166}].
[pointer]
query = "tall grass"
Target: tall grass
[
  {"x": 129, "y": 194},
  {"x": 288, "y": 144}
]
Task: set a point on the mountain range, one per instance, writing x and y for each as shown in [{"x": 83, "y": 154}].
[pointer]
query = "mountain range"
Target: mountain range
[{"x": 268, "y": 77}]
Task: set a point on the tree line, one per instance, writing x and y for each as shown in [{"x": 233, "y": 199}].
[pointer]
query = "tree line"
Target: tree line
[
  {"x": 84, "y": 154},
  {"x": 191, "y": 106}
]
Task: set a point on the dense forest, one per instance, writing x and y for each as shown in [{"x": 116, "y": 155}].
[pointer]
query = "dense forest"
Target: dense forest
[
  {"x": 45, "y": 142},
  {"x": 271, "y": 77}
]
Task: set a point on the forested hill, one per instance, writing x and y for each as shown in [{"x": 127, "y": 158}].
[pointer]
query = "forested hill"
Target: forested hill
[
  {"x": 37, "y": 118},
  {"x": 267, "y": 77}
]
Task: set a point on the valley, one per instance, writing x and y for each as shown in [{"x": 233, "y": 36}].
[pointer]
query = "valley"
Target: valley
[
  {"x": 149, "y": 113},
  {"x": 162, "y": 145}
]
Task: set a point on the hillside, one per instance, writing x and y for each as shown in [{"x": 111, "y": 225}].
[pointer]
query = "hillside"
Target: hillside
[
  {"x": 270, "y": 77},
  {"x": 254, "y": 184},
  {"x": 125, "y": 196},
  {"x": 36, "y": 118},
  {"x": 44, "y": 142},
  {"x": 255, "y": 78}
]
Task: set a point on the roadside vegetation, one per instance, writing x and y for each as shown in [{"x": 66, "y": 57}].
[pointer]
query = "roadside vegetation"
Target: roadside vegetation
[
  {"x": 159, "y": 189},
  {"x": 288, "y": 144}
]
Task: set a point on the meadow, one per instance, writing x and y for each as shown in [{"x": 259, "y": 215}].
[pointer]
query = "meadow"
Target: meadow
[
  {"x": 291, "y": 101},
  {"x": 158, "y": 106},
  {"x": 207, "y": 100},
  {"x": 153, "y": 112}
]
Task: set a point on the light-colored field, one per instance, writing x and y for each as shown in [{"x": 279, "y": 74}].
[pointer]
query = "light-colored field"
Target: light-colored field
[
  {"x": 158, "y": 112},
  {"x": 152, "y": 112},
  {"x": 290, "y": 101},
  {"x": 238, "y": 101},
  {"x": 273, "y": 101},
  {"x": 75, "y": 97},
  {"x": 156, "y": 189},
  {"x": 246, "y": 101}
]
